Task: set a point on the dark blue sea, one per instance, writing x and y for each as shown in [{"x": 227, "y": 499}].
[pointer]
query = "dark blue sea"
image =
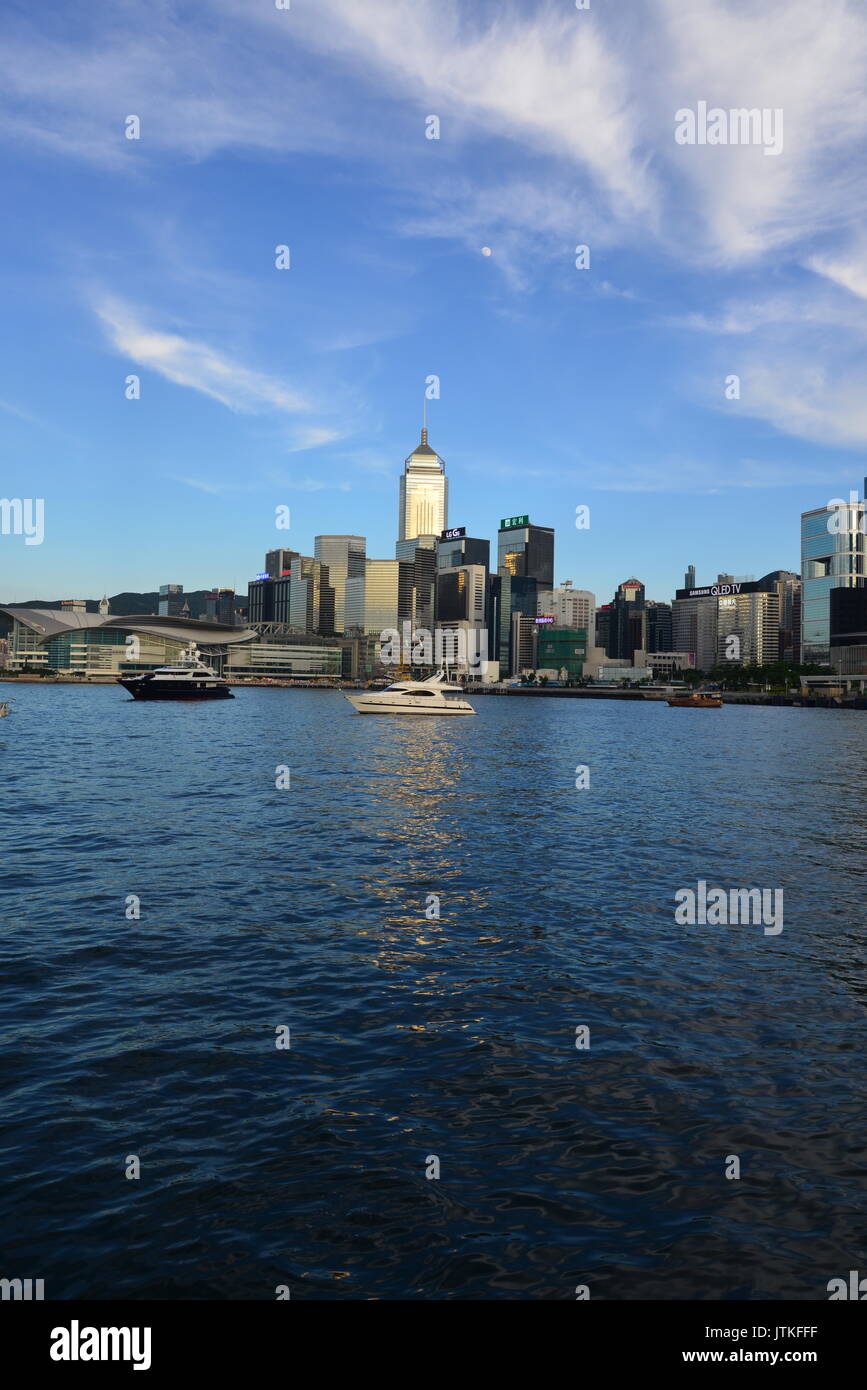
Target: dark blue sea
[{"x": 416, "y": 1038}]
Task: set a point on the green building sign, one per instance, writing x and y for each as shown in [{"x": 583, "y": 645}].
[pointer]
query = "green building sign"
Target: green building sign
[{"x": 509, "y": 522}]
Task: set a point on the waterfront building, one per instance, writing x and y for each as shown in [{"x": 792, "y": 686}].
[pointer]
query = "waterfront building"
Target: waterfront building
[
  {"x": 787, "y": 586},
  {"x": 71, "y": 641},
  {"x": 665, "y": 665},
  {"x": 525, "y": 569},
  {"x": 563, "y": 649},
  {"x": 753, "y": 620},
  {"x": 848, "y": 630},
  {"x": 524, "y": 644},
  {"x": 170, "y": 600},
  {"x": 104, "y": 606},
  {"x": 424, "y": 493},
  {"x": 296, "y": 660},
  {"x": 694, "y": 622},
  {"x": 705, "y": 620},
  {"x": 832, "y": 557},
  {"x": 344, "y": 557}
]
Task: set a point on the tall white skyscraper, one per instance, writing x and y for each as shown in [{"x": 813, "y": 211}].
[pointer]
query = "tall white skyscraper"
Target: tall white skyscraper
[{"x": 424, "y": 494}]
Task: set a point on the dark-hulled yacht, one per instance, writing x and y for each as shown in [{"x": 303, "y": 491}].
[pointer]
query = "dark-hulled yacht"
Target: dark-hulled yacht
[{"x": 188, "y": 680}]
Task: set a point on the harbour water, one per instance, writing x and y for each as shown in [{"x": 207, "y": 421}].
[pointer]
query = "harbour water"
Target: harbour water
[{"x": 416, "y": 1037}]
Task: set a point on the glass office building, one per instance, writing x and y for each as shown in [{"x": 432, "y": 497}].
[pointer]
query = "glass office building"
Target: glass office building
[
  {"x": 344, "y": 556},
  {"x": 832, "y": 557},
  {"x": 373, "y": 603},
  {"x": 525, "y": 567}
]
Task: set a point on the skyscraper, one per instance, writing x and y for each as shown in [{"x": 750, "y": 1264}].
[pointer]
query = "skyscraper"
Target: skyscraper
[
  {"x": 424, "y": 493},
  {"x": 171, "y": 598},
  {"x": 832, "y": 557},
  {"x": 627, "y": 632},
  {"x": 344, "y": 556},
  {"x": 525, "y": 569},
  {"x": 418, "y": 580}
]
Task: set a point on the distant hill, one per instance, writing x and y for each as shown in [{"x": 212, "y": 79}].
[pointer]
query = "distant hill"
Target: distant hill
[{"x": 132, "y": 603}]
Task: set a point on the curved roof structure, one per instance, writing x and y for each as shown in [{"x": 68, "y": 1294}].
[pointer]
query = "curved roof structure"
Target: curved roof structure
[{"x": 54, "y": 622}]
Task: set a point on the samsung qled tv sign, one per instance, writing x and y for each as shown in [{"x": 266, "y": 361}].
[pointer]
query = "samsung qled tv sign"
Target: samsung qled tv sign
[{"x": 722, "y": 590}]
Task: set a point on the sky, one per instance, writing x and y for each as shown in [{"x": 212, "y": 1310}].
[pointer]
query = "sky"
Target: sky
[{"x": 605, "y": 386}]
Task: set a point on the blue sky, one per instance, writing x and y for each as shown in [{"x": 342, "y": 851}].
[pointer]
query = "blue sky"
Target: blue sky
[{"x": 560, "y": 387}]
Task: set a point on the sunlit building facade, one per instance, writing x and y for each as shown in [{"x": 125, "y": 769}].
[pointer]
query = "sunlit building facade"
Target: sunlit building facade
[
  {"x": 345, "y": 557},
  {"x": 424, "y": 493}
]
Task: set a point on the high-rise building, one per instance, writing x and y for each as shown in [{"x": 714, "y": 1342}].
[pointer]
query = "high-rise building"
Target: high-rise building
[
  {"x": 627, "y": 631},
  {"x": 689, "y": 578},
  {"x": 278, "y": 562},
  {"x": 525, "y": 569},
  {"x": 344, "y": 556},
  {"x": 373, "y": 601},
  {"x": 424, "y": 493},
  {"x": 170, "y": 600},
  {"x": 832, "y": 557},
  {"x": 849, "y": 630},
  {"x": 571, "y": 608},
  {"x": 787, "y": 586},
  {"x": 301, "y": 598},
  {"x": 220, "y": 606},
  {"x": 456, "y": 548},
  {"x": 732, "y": 622},
  {"x": 695, "y": 627},
  {"x": 418, "y": 580},
  {"x": 659, "y": 631},
  {"x": 462, "y": 608},
  {"x": 748, "y": 628}
]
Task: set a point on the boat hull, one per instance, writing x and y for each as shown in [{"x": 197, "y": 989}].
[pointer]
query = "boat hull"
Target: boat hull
[
  {"x": 364, "y": 704},
  {"x": 695, "y": 704},
  {"x": 148, "y": 692}
]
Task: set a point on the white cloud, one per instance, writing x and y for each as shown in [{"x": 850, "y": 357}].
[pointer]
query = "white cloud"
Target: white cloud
[{"x": 197, "y": 365}]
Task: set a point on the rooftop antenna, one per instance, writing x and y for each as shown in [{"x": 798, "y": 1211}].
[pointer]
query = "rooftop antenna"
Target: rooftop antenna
[{"x": 424, "y": 421}]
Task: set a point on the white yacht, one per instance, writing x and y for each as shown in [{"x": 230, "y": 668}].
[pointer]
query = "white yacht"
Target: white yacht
[
  {"x": 190, "y": 679},
  {"x": 411, "y": 697}
]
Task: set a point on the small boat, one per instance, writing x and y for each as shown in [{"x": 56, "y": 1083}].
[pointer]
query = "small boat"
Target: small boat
[
  {"x": 4, "y": 709},
  {"x": 697, "y": 699},
  {"x": 411, "y": 697},
  {"x": 189, "y": 680}
]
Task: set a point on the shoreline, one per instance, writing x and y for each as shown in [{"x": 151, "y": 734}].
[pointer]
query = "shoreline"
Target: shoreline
[{"x": 729, "y": 697}]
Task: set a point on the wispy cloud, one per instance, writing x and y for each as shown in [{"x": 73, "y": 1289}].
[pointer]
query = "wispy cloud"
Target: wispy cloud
[{"x": 197, "y": 365}]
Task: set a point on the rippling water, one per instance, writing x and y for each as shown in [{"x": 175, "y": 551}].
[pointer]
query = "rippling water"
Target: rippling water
[{"x": 413, "y": 1037}]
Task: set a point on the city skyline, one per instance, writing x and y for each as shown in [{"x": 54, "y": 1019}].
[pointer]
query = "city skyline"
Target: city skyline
[{"x": 143, "y": 239}]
